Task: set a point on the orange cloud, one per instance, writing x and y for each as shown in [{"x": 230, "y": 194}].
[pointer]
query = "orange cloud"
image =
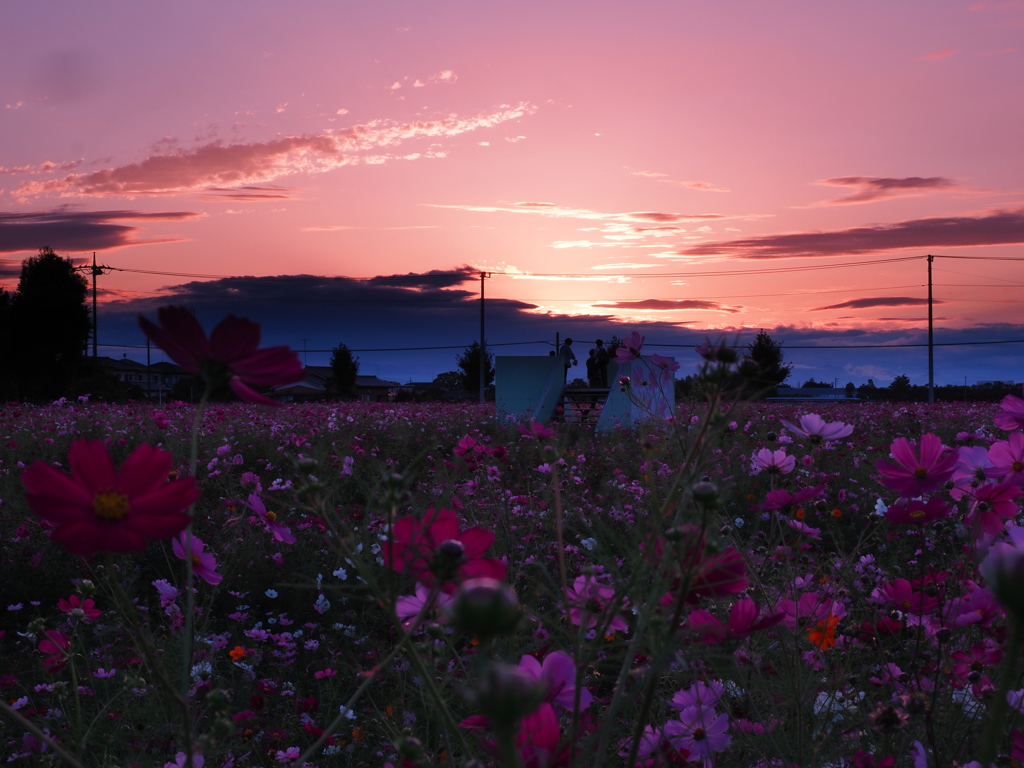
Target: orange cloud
[{"x": 239, "y": 165}]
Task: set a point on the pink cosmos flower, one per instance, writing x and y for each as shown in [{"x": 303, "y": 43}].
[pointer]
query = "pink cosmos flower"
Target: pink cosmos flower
[
  {"x": 537, "y": 430},
  {"x": 782, "y": 499},
  {"x": 83, "y": 609},
  {"x": 588, "y": 600},
  {"x": 434, "y": 550},
  {"x": 1007, "y": 459},
  {"x": 538, "y": 737},
  {"x": 817, "y": 430},
  {"x": 408, "y": 607},
  {"x": 630, "y": 348},
  {"x": 1011, "y": 415},
  {"x": 204, "y": 565},
  {"x": 700, "y": 694},
  {"x": 993, "y": 504},
  {"x": 664, "y": 363},
  {"x": 700, "y": 731},
  {"x": 973, "y": 466},
  {"x": 912, "y": 476},
  {"x": 57, "y": 645},
  {"x": 917, "y": 512},
  {"x": 230, "y": 354},
  {"x": 558, "y": 672},
  {"x": 810, "y": 606},
  {"x": 743, "y": 620},
  {"x": 900, "y": 594},
  {"x": 279, "y": 532},
  {"x": 98, "y": 508},
  {"x": 772, "y": 461}
]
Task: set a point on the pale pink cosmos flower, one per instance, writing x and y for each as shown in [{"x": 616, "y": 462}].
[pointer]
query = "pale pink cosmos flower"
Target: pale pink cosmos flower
[
  {"x": 815, "y": 428},
  {"x": 181, "y": 760},
  {"x": 698, "y": 694},
  {"x": 973, "y": 464},
  {"x": 279, "y": 532},
  {"x": 204, "y": 565},
  {"x": 558, "y": 672},
  {"x": 1007, "y": 459},
  {"x": 912, "y": 475},
  {"x": 408, "y": 607},
  {"x": 630, "y": 348},
  {"x": 771, "y": 461},
  {"x": 589, "y": 600},
  {"x": 664, "y": 363},
  {"x": 1003, "y": 568},
  {"x": 699, "y": 730}
]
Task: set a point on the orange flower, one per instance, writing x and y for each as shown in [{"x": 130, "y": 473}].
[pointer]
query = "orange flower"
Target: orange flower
[
  {"x": 237, "y": 653},
  {"x": 837, "y": 513},
  {"x": 823, "y": 634},
  {"x": 799, "y": 514}
]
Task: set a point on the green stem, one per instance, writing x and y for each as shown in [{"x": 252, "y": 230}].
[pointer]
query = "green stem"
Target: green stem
[{"x": 997, "y": 715}]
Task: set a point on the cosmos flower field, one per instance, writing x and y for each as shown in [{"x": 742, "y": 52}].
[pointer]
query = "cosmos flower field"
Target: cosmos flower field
[{"x": 421, "y": 585}]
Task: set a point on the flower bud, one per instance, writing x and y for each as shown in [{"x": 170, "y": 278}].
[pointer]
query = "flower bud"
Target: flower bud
[
  {"x": 485, "y": 607},
  {"x": 506, "y": 694},
  {"x": 705, "y": 492}
]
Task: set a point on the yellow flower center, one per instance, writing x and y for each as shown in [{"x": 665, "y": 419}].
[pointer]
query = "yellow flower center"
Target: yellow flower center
[
  {"x": 110, "y": 505},
  {"x": 921, "y": 473},
  {"x": 1018, "y": 466},
  {"x": 195, "y": 562},
  {"x": 917, "y": 514},
  {"x": 271, "y": 516}
]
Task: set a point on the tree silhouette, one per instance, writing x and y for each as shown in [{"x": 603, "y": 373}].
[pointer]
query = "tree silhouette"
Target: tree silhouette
[
  {"x": 50, "y": 326},
  {"x": 469, "y": 363},
  {"x": 771, "y": 372},
  {"x": 344, "y": 369}
]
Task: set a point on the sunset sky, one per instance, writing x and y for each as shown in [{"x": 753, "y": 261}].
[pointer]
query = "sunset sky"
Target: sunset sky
[{"x": 342, "y": 172}]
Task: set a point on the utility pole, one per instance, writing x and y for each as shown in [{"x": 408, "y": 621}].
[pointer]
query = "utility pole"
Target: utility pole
[
  {"x": 483, "y": 339},
  {"x": 931, "y": 336},
  {"x": 96, "y": 271}
]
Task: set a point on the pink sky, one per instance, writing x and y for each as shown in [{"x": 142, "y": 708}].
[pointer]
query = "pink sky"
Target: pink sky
[{"x": 629, "y": 145}]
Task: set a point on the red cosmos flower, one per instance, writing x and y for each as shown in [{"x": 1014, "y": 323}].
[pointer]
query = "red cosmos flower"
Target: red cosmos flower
[
  {"x": 57, "y": 645},
  {"x": 742, "y": 622},
  {"x": 230, "y": 355},
  {"x": 76, "y": 607},
  {"x": 433, "y": 550},
  {"x": 912, "y": 476},
  {"x": 100, "y": 509}
]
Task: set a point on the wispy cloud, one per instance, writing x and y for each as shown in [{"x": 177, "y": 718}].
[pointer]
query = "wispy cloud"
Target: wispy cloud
[
  {"x": 995, "y": 228},
  {"x": 618, "y": 228},
  {"x": 871, "y": 188},
  {"x": 937, "y": 55},
  {"x": 700, "y": 186},
  {"x": 219, "y": 165},
  {"x": 887, "y": 301},
  {"x": 668, "y": 305},
  {"x": 63, "y": 229}
]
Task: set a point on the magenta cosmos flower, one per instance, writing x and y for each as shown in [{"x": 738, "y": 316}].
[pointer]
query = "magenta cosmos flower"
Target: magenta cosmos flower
[
  {"x": 558, "y": 673},
  {"x": 100, "y": 509},
  {"x": 815, "y": 428},
  {"x": 433, "y": 550},
  {"x": 204, "y": 565},
  {"x": 58, "y": 646},
  {"x": 1011, "y": 415},
  {"x": 231, "y": 354},
  {"x": 914, "y": 475},
  {"x": 588, "y": 600}
]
